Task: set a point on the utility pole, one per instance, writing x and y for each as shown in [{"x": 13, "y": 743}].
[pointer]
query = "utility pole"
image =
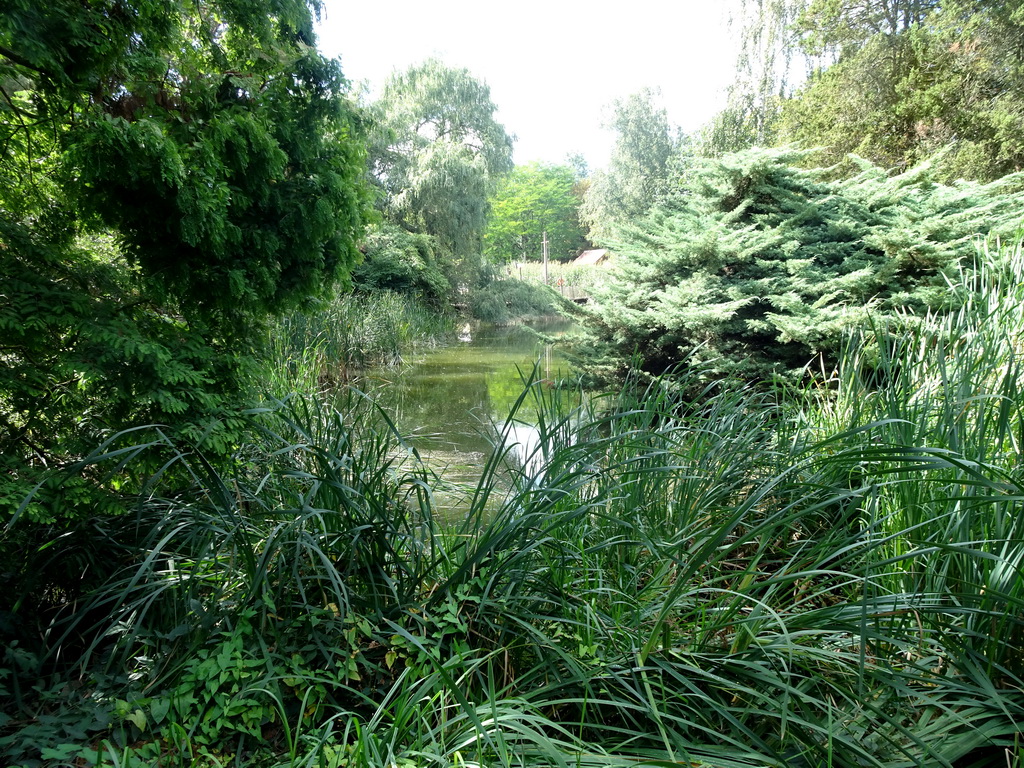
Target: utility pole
[{"x": 545, "y": 257}]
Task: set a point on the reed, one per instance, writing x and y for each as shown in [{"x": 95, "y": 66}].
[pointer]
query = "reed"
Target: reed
[
  {"x": 321, "y": 350},
  {"x": 826, "y": 577}
]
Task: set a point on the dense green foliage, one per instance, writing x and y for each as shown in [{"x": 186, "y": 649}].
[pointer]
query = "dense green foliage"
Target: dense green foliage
[
  {"x": 920, "y": 78},
  {"x": 828, "y": 577},
  {"x": 508, "y": 299},
  {"x": 530, "y": 201},
  {"x": 754, "y": 267},
  {"x": 675, "y": 573},
  {"x": 436, "y": 154},
  {"x": 172, "y": 173},
  {"x": 214, "y": 142},
  {"x": 321, "y": 350},
  {"x": 403, "y": 262},
  {"x": 894, "y": 81}
]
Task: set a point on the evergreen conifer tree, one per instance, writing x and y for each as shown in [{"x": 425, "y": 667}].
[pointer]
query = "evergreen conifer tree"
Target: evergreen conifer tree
[{"x": 756, "y": 266}]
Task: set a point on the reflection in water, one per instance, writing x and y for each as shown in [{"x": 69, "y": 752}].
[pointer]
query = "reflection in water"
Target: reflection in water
[
  {"x": 451, "y": 397},
  {"x": 523, "y": 442}
]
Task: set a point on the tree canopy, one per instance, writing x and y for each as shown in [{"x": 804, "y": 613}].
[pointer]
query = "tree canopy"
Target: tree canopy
[
  {"x": 767, "y": 64},
  {"x": 639, "y": 167},
  {"x": 912, "y": 80},
  {"x": 894, "y": 81},
  {"x": 171, "y": 173},
  {"x": 436, "y": 154},
  {"x": 212, "y": 139},
  {"x": 532, "y": 200}
]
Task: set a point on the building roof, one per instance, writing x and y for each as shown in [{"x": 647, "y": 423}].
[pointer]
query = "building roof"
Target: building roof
[{"x": 591, "y": 258}]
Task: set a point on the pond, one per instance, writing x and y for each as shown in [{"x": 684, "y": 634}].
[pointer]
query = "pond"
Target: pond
[{"x": 449, "y": 397}]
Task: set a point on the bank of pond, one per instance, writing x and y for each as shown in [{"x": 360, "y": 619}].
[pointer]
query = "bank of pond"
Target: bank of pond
[{"x": 683, "y": 573}]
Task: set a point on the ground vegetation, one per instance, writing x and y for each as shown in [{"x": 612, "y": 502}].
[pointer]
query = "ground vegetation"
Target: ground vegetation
[{"x": 826, "y": 576}]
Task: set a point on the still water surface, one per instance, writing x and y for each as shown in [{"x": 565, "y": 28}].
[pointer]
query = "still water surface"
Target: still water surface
[{"x": 450, "y": 397}]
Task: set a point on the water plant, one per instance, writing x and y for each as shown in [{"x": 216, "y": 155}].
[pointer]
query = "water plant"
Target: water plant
[
  {"x": 321, "y": 350},
  {"x": 828, "y": 576}
]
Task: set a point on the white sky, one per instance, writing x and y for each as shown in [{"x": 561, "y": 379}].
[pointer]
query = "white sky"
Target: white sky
[{"x": 553, "y": 67}]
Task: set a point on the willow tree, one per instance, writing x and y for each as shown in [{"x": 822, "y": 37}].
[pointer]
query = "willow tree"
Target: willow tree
[
  {"x": 436, "y": 154},
  {"x": 769, "y": 64},
  {"x": 172, "y": 172}
]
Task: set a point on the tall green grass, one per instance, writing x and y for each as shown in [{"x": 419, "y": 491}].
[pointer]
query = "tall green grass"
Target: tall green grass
[
  {"x": 829, "y": 577},
  {"x": 322, "y": 350}
]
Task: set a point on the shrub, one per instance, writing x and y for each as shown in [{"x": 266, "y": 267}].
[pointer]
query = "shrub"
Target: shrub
[
  {"x": 755, "y": 267},
  {"x": 319, "y": 349},
  {"x": 402, "y": 262}
]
